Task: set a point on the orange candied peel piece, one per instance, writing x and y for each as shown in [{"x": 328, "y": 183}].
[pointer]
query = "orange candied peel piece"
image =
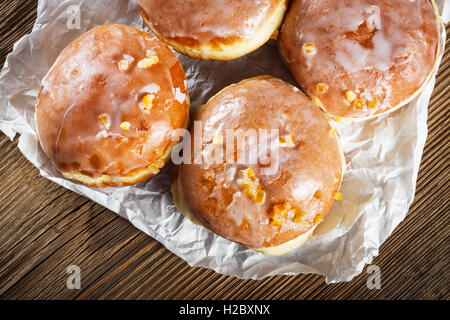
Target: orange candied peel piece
[
  {"x": 359, "y": 104},
  {"x": 148, "y": 101},
  {"x": 287, "y": 141},
  {"x": 280, "y": 212},
  {"x": 260, "y": 197},
  {"x": 148, "y": 62},
  {"x": 251, "y": 186},
  {"x": 309, "y": 48},
  {"x": 249, "y": 172},
  {"x": 124, "y": 65},
  {"x": 298, "y": 215},
  {"x": 104, "y": 121},
  {"x": 322, "y": 88},
  {"x": 318, "y": 219},
  {"x": 317, "y": 102},
  {"x": 125, "y": 126},
  {"x": 350, "y": 96},
  {"x": 374, "y": 104}
]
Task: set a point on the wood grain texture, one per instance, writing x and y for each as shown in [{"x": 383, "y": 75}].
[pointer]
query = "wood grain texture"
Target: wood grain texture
[{"x": 44, "y": 228}]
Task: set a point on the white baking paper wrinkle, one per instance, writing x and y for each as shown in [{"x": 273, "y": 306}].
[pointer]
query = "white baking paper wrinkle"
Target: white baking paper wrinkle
[{"x": 383, "y": 156}]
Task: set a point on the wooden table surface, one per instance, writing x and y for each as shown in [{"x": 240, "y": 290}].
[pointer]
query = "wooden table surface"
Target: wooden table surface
[{"x": 44, "y": 228}]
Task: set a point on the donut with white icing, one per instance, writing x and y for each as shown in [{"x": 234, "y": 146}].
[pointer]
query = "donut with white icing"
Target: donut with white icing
[
  {"x": 274, "y": 202},
  {"x": 214, "y": 29},
  {"x": 361, "y": 58},
  {"x": 109, "y": 107}
]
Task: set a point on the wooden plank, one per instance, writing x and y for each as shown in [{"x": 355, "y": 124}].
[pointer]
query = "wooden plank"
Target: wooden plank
[{"x": 45, "y": 228}]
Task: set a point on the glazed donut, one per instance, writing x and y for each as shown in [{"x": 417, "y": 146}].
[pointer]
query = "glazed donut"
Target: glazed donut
[
  {"x": 272, "y": 204},
  {"x": 109, "y": 106},
  {"x": 214, "y": 29},
  {"x": 359, "y": 59}
]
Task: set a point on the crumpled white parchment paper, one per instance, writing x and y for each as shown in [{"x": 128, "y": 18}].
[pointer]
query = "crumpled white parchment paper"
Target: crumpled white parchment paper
[{"x": 383, "y": 155}]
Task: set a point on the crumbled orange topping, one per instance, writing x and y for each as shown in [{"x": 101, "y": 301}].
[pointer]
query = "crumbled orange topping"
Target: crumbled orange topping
[
  {"x": 309, "y": 48},
  {"x": 280, "y": 212},
  {"x": 251, "y": 186},
  {"x": 374, "y": 104},
  {"x": 332, "y": 132},
  {"x": 104, "y": 120},
  {"x": 317, "y": 102},
  {"x": 298, "y": 215},
  {"x": 159, "y": 151},
  {"x": 318, "y": 195},
  {"x": 287, "y": 141},
  {"x": 322, "y": 88},
  {"x": 154, "y": 59},
  {"x": 359, "y": 104},
  {"x": 125, "y": 125},
  {"x": 148, "y": 101},
  {"x": 318, "y": 219},
  {"x": 249, "y": 172},
  {"x": 260, "y": 197},
  {"x": 338, "y": 196},
  {"x": 124, "y": 65},
  {"x": 148, "y": 62},
  {"x": 218, "y": 140},
  {"x": 350, "y": 96}
]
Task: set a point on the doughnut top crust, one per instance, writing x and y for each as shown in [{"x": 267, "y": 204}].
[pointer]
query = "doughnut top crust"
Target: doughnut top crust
[
  {"x": 204, "y": 21},
  {"x": 111, "y": 102},
  {"x": 360, "y": 58},
  {"x": 238, "y": 200},
  {"x": 213, "y": 24}
]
